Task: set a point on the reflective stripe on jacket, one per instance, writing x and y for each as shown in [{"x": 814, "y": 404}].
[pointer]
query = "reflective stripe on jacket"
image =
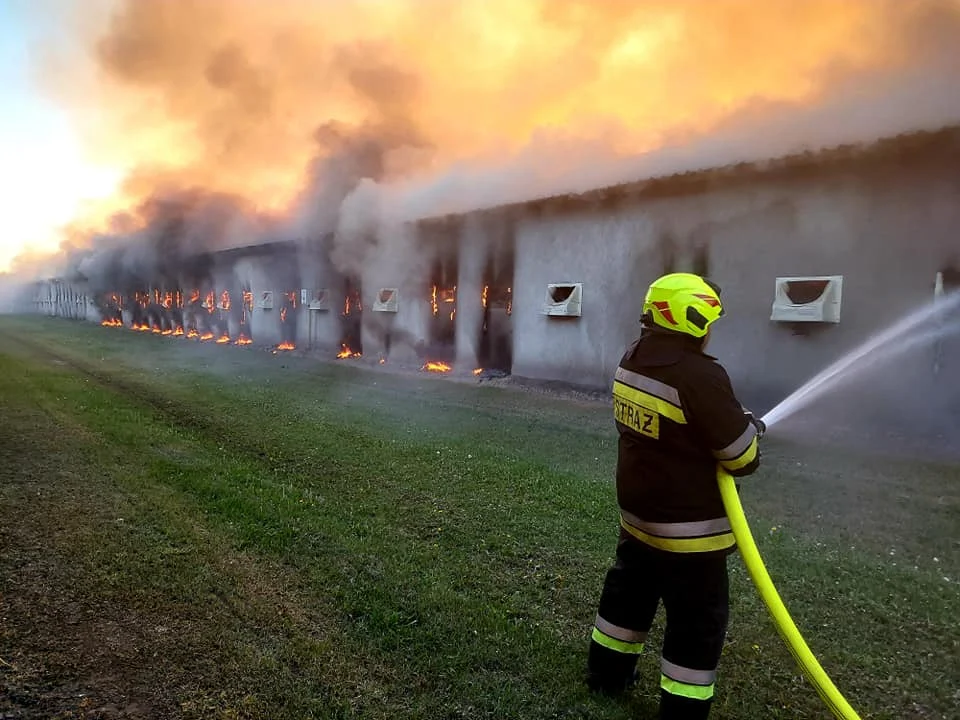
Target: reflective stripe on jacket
[{"x": 677, "y": 417}]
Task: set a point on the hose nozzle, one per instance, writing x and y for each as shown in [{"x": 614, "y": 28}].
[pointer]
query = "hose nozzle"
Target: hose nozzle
[{"x": 759, "y": 424}]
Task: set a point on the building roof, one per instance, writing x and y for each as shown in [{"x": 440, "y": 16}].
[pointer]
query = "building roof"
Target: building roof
[{"x": 912, "y": 146}]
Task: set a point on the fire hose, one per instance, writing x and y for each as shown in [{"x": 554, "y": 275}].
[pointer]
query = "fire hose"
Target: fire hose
[{"x": 781, "y": 618}]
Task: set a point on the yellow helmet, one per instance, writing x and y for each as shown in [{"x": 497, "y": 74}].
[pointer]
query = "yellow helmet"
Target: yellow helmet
[{"x": 684, "y": 303}]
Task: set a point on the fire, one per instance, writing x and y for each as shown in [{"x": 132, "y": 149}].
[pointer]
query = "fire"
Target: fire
[
  {"x": 346, "y": 352},
  {"x": 243, "y": 340},
  {"x": 477, "y": 371},
  {"x": 225, "y": 300},
  {"x": 194, "y": 296},
  {"x": 438, "y": 367},
  {"x": 167, "y": 332},
  {"x": 223, "y": 340},
  {"x": 248, "y": 300},
  {"x": 283, "y": 315},
  {"x": 383, "y": 360},
  {"x": 210, "y": 302},
  {"x": 433, "y": 301},
  {"x": 142, "y": 327},
  {"x": 178, "y": 332},
  {"x": 113, "y": 322},
  {"x": 286, "y": 346},
  {"x": 156, "y": 330},
  {"x": 206, "y": 336},
  {"x": 484, "y": 295},
  {"x": 192, "y": 333}
]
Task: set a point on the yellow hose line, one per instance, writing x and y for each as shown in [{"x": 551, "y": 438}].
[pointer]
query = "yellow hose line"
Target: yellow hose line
[{"x": 781, "y": 618}]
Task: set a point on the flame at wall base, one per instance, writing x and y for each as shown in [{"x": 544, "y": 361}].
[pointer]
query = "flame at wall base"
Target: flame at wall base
[
  {"x": 286, "y": 346},
  {"x": 346, "y": 352},
  {"x": 437, "y": 367}
]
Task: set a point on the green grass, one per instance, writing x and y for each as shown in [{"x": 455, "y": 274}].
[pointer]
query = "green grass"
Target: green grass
[{"x": 199, "y": 531}]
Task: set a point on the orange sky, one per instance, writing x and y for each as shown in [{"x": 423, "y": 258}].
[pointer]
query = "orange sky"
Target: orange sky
[{"x": 228, "y": 94}]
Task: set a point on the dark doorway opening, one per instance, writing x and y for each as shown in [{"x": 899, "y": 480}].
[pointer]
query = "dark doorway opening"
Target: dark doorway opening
[
  {"x": 351, "y": 317},
  {"x": 495, "y": 347}
]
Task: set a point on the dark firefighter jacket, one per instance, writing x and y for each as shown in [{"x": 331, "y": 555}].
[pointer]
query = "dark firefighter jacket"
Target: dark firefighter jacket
[{"x": 677, "y": 417}]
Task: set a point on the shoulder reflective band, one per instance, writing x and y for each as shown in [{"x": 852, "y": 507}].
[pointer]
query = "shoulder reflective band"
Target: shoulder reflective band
[
  {"x": 741, "y": 452},
  {"x": 644, "y": 398},
  {"x": 707, "y": 543}
]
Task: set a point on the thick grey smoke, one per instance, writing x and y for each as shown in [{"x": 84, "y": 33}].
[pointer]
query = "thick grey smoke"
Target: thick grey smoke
[{"x": 367, "y": 125}]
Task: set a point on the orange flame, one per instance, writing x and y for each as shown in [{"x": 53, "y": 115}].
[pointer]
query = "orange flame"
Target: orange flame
[
  {"x": 286, "y": 346},
  {"x": 484, "y": 294},
  {"x": 178, "y": 332},
  {"x": 210, "y": 302},
  {"x": 477, "y": 371},
  {"x": 225, "y": 300},
  {"x": 113, "y": 322},
  {"x": 248, "y": 299},
  {"x": 206, "y": 336},
  {"x": 243, "y": 340},
  {"x": 167, "y": 332},
  {"x": 192, "y": 333},
  {"x": 433, "y": 301},
  {"x": 283, "y": 315},
  {"x": 223, "y": 340},
  {"x": 346, "y": 352},
  {"x": 437, "y": 367}
]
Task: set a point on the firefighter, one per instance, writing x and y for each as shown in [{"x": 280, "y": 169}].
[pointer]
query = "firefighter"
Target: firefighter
[{"x": 677, "y": 417}]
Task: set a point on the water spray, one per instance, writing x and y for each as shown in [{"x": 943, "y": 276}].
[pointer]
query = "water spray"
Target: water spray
[{"x": 802, "y": 397}]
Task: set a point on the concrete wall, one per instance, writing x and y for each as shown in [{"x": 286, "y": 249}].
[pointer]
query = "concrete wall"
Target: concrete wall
[
  {"x": 615, "y": 254},
  {"x": 319, "y": 329},
  {"x": 887, "y": 230},
  {"x": 398, "y": 263},
  {"x": 277, "y": 272}
]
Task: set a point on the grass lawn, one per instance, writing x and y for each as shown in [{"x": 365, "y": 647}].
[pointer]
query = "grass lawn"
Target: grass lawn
[{"x": 197, "y": 531}]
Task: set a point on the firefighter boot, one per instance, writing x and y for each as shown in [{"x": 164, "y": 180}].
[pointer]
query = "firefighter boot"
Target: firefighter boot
[
  {"x": 676, "y": 707},
  {"x": 609, "y": 672}
]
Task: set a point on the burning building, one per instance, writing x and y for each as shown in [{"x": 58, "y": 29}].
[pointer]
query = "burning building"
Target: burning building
[{"x": 814, "y": 252}]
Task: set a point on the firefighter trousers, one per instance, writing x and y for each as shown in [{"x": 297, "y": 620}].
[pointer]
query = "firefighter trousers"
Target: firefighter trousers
[{"x": 695, "y": 593}]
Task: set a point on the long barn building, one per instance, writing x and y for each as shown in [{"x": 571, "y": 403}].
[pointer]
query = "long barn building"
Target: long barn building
[{"x": 814, "y": 253}]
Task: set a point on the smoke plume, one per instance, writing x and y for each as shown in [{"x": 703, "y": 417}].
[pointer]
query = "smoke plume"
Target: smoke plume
[{"x": 243, "y": 121}]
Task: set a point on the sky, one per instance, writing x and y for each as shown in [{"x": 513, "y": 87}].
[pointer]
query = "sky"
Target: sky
[
  {"x": 44, "y": 177},
  {"x": 346, "y": 115}
]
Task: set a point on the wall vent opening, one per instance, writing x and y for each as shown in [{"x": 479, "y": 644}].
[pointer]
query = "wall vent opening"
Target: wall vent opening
[
  {"x": 320, "y": 299},
  {"x": 387, "y": 300},
  {"x": 563, "y": 300},
  {"x": 265, "y": 301},
  {"x": 814, "y": 299}
]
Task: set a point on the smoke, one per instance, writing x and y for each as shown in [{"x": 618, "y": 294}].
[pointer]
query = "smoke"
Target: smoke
[{"x": 243, "y": 121}]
